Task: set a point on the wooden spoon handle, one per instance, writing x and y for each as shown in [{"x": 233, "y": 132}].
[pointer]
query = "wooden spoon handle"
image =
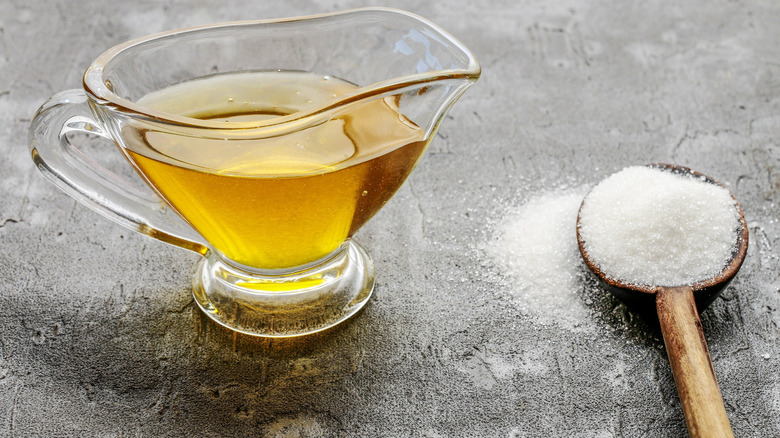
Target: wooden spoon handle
[{"x": 702, "y": 403}]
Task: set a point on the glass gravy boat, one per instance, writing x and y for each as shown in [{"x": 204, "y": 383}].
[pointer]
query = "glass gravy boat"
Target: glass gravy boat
[{"x": 267, "y": 145}]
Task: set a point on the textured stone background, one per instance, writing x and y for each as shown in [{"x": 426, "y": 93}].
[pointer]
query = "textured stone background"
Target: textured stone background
[{"x": 99, "y": 335}]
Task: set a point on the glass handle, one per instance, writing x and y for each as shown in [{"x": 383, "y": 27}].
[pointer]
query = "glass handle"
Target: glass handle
[{"x": 92, "y": 184}]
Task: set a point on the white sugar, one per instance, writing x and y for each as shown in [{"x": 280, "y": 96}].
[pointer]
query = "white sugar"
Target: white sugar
[
  {"x": 536, "y": 247},
  {"x": 651, "y": 227}
]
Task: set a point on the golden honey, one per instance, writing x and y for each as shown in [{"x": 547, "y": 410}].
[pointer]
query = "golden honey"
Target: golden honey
[{"x": 276, "y": 201}]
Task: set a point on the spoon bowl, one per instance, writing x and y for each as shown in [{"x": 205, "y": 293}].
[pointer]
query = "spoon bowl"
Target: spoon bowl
[
  {"x": 642, "y": 297},
  {"x": 677, "y": 309}
]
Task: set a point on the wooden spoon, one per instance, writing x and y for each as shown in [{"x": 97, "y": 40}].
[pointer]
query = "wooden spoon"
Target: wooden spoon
[{"x": 678, "y": 309}]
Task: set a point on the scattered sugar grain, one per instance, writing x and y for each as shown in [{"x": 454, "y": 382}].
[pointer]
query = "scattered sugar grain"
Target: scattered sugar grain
[
  {"x": 651, "y": 227},
  {"x": 536, "y": 247}
]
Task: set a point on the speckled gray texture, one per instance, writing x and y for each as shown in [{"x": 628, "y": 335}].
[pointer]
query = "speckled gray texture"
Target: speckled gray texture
[{"x": 99, "y": 335}]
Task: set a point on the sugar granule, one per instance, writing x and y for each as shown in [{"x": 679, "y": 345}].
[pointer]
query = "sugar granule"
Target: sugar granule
[
  {"x": 651, "y": 227},
  {"x": 536, "y": 247}
]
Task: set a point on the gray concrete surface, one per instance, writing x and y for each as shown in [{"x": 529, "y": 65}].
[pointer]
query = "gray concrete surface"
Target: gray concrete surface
[{"x": 99, "y": 335}]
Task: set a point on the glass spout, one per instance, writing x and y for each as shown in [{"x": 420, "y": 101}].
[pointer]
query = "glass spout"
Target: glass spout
[{"x": 380, "y": 50}]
